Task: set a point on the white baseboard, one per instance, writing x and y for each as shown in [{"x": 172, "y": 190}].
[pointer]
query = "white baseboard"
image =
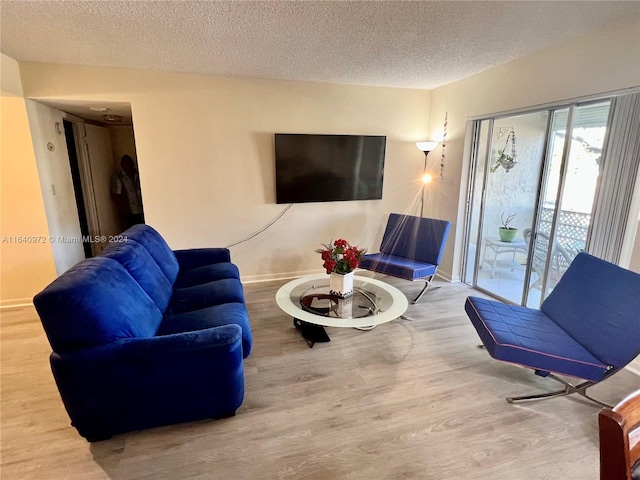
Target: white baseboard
[
  {"x": 633, "y": 370},
  {"x": 268, "y": 277},
  {"x": 634, "y": 366},
  {"x": 448, "y": 277},
  {"x": 290, "y": 275},
  {"x": 15, "y": 303}
]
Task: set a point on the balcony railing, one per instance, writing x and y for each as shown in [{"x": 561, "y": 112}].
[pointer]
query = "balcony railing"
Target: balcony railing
[{"x": 571, "y": 231}]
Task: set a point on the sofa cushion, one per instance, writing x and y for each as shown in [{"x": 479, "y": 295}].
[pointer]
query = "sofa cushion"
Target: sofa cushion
[
  {"x": 207, "y": 273},
  {"x": 197, "y": 257},
  {"x": 206, "y": 295},
  {"x": 157, "y": 247},
  {"x": 143, "y": 268},
  {"x": 224, "y": 314},
  {"x": 529, "y": 337},
  {"x": 94, "y": 303}
]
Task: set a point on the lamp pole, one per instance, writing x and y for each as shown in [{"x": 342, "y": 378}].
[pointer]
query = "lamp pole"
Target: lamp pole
[
  {"x": 424, "y": 173},
  {"x": 425, "y": 147}
]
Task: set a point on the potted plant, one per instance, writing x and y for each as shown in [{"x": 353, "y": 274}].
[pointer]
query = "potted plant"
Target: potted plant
[
  {"x": 505, "y": 160},
  {"x": 340, "y": 260},
  {"x": 507, "y": 233}
]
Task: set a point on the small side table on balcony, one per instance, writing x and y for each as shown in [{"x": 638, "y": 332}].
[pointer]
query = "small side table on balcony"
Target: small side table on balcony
[{"x": 499, "y": 247}]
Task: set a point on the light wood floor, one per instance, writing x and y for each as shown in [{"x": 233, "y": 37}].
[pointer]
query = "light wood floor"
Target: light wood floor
[{"x": 407, "y": 400}]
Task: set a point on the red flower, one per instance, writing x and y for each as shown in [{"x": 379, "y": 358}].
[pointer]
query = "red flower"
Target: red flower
[
  {"x": 340, "y": 257},
  {"x": 329, "y": 265}
]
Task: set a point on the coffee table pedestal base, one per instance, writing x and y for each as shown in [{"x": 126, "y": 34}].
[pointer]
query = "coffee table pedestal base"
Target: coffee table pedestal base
[{"x": 311, "y": 333}]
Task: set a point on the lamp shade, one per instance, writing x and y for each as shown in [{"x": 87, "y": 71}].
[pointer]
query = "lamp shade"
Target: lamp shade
[{"x": 426, "y": 146}]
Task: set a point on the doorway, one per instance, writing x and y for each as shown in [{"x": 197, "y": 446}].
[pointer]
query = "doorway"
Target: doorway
[
  {"x": 534, "y": 174},
  {"x": 77, "y": 156},
  {"x": 76, "y": 179}
]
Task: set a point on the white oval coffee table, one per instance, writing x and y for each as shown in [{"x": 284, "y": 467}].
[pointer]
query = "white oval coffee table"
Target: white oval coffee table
[{"x": 308, "y": 301}]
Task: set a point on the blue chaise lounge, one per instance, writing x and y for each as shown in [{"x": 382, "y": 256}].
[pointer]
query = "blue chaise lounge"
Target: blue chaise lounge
[
  {"x": 411, "y": 248},
  {"x": 144, "y": 336},
  {"x": 588, "y": 327}
]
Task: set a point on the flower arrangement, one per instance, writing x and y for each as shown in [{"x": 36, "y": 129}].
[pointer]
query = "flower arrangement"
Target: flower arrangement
[{"x": 340, "y": 257}]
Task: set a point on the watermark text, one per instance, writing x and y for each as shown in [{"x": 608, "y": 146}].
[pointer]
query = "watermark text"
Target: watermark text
[{"x": 35, "y": 239}]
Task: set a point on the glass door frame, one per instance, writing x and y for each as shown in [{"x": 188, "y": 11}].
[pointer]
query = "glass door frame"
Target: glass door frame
[
  {"x": 466, "y": 237},
  {"x": 541, "y": 183},
  {"x": 543, "y": 178},
  {"x": 566, "y": 152}
]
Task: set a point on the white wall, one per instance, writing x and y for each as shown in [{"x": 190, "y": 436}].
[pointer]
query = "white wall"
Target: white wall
[
  {"x": 601, "y": 62},
  {"x": 205, "y": 144},
  {"x": 635, "y": 256},
  {"x": 52, "y": 160},
  {"x": 27, "y": 259},
  {"x": 102, "y": 172},
  {"x": 206, "y": 159},
  {"x": 10, "y": 82},
  {"x": 122, "y": 143}
]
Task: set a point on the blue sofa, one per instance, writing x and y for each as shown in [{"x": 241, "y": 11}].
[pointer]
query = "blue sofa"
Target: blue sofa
[{"x": 144, "y": 336}]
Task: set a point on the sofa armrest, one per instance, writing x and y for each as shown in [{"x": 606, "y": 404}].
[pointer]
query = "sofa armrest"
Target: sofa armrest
[
  {"x": 213, "y": 341},
  {"x": 198, "y": 257},
  {"x": 136, "y": 383},
  {"x": 221, "y": 338}
]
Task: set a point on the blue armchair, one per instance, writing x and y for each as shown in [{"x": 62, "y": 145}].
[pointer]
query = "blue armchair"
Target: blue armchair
[
  {"x": 588, "y": 327},
  {"x": 143, "y": 336},
  {"x": 411, "y": 248}
]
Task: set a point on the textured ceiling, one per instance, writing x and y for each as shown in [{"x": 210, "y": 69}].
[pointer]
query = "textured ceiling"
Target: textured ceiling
[{"x": 416, "y": 44}]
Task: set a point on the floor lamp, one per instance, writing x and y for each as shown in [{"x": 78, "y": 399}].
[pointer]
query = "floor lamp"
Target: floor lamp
[{"x": 425, "y": 147}]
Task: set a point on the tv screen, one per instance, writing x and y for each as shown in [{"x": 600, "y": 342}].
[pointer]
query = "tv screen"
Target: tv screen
[{"x": 328, "y": 168}]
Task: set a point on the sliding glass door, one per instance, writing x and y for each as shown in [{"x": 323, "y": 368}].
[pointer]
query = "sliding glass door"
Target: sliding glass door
[
  {"x": 534, "y": 177},
  {"x": 565, "y": 215}
]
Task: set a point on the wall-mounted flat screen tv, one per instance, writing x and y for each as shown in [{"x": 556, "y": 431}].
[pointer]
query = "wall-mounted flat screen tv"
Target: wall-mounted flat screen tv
[{"x": 328, "y": 168}]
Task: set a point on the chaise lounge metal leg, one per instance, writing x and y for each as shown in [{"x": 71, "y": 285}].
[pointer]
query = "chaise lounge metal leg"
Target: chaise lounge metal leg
[
  {"x": 580, "y": 389},
  {"x": 424, "y": 290}
]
